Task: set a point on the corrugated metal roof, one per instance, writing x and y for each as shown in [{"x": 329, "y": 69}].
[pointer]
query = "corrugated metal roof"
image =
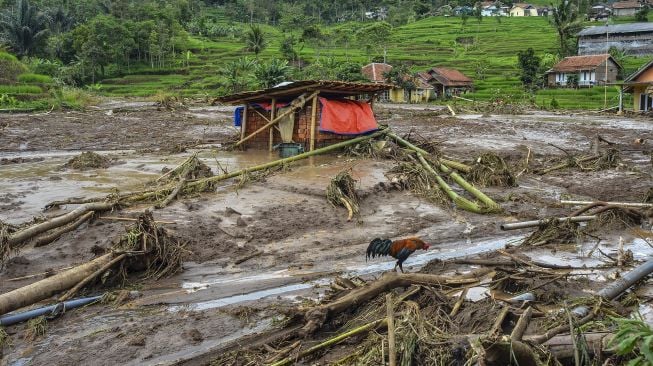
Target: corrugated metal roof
[
  {"x": 617, "y": 28},
  {"x": 627, "y": 4},
  {"x": 294, "y": 89}
]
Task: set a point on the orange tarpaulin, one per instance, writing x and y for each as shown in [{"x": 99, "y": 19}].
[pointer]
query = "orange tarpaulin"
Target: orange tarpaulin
[{"x": 346, "y": 117}]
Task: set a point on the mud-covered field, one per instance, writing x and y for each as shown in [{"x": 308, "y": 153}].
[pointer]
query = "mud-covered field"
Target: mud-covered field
[{"x": 297, "y": 241}]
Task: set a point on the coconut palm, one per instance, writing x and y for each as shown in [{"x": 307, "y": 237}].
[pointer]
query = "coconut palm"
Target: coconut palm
[
  {"x": 566, "y": 22},
  {"x": 24, "y": 29},
  {"x": 255, "y": 40}
]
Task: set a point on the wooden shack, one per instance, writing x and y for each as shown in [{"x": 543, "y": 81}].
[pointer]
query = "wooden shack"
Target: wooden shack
[{"x": 260, "y": 112}]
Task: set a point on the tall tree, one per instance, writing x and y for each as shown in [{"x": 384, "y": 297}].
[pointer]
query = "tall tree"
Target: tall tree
[
  {"x": 567, "y": 23},
  {"x": 530, "y": 65},
  {"x": 255, "y": 40},
  {"x": 374, "y": 36},
  {"x": 24, "y": 29}
]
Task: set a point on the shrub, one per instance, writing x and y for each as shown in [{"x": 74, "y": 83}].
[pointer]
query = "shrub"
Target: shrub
[
  {"x": 10, "y": 67},
  {"x": 20, "y": 89},
  {"x": 34, "y": 79}
]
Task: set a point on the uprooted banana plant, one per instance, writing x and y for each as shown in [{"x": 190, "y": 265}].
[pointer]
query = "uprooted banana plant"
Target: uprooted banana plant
[{"x": 342, "y": 192}]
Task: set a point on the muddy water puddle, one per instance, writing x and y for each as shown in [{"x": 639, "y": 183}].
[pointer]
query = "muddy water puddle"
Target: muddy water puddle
[{"x": 25, "y": 188}]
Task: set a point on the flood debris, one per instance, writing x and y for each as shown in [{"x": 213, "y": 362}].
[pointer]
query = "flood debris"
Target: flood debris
[
  {"x": 88, "y": 160},
  {"x": 415, "y": 316},
  {"x": 341, "y": 191},
  {"x": 490, "y": 169},
  {"x": 607, "y": 159},
  {"x": 145, "y": 248}
]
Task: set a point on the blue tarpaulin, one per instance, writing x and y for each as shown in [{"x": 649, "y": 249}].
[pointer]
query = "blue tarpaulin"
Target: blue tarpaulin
[{"x": 238, "y": 116}]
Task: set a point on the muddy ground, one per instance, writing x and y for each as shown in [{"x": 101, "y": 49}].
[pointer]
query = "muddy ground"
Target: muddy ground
[{"x": 304, "y": 240}]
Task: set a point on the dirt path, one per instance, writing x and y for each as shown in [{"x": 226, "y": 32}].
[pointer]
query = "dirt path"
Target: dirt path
[{"x": 304, "y": 241}]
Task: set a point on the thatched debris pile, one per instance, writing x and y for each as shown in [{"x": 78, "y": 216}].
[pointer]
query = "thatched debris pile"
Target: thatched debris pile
[{"x": 88, "y": 160}]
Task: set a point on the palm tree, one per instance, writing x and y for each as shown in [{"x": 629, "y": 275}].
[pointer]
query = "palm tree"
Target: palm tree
[
  {"x": 271, "y": 73},
  {"x": 24, "y": 29},
  {"x": 566, "y": 22},
  {"x": 238, "y": 74},
  {"x": 255, "y": 41}
]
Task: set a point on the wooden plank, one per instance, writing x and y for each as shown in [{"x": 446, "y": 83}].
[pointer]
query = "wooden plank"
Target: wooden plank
[
  {"x": 313, "y": 122},
  {"x": 275, "y": 120},
  {"x": 272, "y": 113},
  {"x": 243, "y": 123}
]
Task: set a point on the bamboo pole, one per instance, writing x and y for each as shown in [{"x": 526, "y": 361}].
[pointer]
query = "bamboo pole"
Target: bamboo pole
[
  {"x": 243, "y": 123},
  {"x": 292, "y": 109},
  {"x": 624, "y": 204},
  {"x": 272, "y": 113},
  {"x": 462, "y": 202},
  {"x": 332, "y": 341},
  {"x": 527, "y": 224},
  {"x": 218, "y": 178},
  {"x": 491, "y": 205},
  {"x": 47, "y": 287},
  {"x": 313, "y": 122},
  {"x": 90, "y": 277},
  {"x": 392, "y": 351}
]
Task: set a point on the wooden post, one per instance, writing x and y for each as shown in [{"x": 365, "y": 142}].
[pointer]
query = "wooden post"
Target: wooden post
[
  {"x": 392, "y": 351},
  {"x": 272, "y": 113},
  {"x": 313, "y": 122},
  {"x": 243, "y": 123}
]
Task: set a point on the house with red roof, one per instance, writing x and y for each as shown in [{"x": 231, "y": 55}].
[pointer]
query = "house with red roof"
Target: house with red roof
[
  {"x": 584, "y": 71},
  {"x": 447, "y": 82},
  {"x": 423, "y": 92}
]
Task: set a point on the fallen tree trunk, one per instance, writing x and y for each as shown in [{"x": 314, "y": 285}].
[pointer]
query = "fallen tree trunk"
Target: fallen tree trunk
[
  {"x": 390, "y": 280},
  {"x": 534, "y": 223},
  {"x": 49, "y": 238},
  {"x": 32, "y": 231},
  {"x": 47, "y": 287}
]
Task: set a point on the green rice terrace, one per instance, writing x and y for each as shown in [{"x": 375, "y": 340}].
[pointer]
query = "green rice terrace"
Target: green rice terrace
[{"x": 436, "y": 41}]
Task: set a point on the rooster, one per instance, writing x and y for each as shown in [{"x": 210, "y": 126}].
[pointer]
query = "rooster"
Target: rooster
[{"x": 398, "y": 249}]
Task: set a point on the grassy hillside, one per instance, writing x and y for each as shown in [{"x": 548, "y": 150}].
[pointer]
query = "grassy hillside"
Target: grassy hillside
[{"x": 485, "y": 51}]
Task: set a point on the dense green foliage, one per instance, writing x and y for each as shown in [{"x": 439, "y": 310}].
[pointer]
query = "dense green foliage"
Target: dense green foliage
[{"x": 205, "y": 47}]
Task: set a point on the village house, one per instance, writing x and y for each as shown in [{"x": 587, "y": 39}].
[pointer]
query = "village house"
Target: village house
[
  {"x": 626, "y": 7},
  {"x": 583, "y": 71},
  {"x": 599, "y": 12},
  {"x": 493, "y": 9},
  {"x": 523, "y": 10},
  {"x": 640, "y": 83},
  {"x": 447, "y": 82},
  {"x": 375, "y": 72},
  {"x": 632, "y": 38}
]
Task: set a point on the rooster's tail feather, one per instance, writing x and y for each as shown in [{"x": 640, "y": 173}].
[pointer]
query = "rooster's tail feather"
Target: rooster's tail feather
[{"x": 378, "y": 247}]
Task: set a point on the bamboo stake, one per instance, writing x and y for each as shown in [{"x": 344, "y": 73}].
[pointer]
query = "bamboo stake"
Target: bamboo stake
[
  {"x": 392, "y": 351},
  {"x": 624, "y": 204},
  {"x": 272, "y": 113},
  {"x": 332, "y": 341},
  {"x": 133, "y": 219},
  {"x": 313, "y": 122},
  {"x": 292, "y": 109},
  {"x": 172, "y": 194},
  {"x": 459, "y": 302}
]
